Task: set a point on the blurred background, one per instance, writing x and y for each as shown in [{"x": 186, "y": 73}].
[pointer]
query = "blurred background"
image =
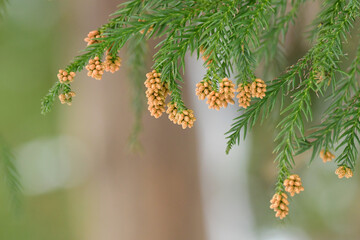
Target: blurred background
[{"x": 81, "y": 180}]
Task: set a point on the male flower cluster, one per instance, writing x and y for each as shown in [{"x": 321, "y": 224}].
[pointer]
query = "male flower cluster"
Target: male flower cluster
[
  {"x": 93, "y": 37},
  {"x": 326, "y": 156},
  {"x": 156, "y": 93},
  {"x": 95, "y": 68},
  {"x": 66, "y": 98},
  {"x": 256, "y": 89},
  {"x": 344, "y": 171},
  {"x": 65, "y": 77},
  {"x": 279, "y": 201},
  {"x": 186, "y": 118},
  {"x": 279, "y": 204},
  {"x": 203, "y": 89},
  {"x": 293, "y": 184},
  {"x": 216, "y": 99},
  {"x": 112, "y": 64},
  {"x": 244, "y": 95}
]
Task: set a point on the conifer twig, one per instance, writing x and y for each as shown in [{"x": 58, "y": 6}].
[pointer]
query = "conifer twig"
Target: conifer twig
[{"x": 232, "y": 37}]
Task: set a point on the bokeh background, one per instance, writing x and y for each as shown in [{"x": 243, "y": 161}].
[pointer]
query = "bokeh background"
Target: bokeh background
[{"x": 82, "y": 181}]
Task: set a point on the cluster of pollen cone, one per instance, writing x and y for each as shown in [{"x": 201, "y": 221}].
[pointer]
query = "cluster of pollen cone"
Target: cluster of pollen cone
[
  {"x": 326, "y": 156},
  {"x": 293, "y": 185},
  {"x": 66, "y": 98},
  {"x": 156, "y": 93},
  {"x": 217, "y": 96},
  {"x": 226, "y": 92},
  {"x": 186, "y": 119},
  {"x": 341, "y": 171},
  {"x": 66, "y": 77},
  {"x": 96, "y": 68},
  {"x": 256, "y": 89},
  {"x": 93, "y": 37},
  {"x": 279, "y": 202},
  {"x": 217, "y": 99}
]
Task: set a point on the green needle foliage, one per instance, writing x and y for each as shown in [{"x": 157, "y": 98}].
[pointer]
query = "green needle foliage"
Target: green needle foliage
[
  {"x": 311, "y": 74},
  {"x": 235, "y": 36}
]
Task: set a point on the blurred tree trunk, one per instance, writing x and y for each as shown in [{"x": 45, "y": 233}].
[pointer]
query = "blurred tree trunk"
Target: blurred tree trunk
[{"x": 153, "y": 195}]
